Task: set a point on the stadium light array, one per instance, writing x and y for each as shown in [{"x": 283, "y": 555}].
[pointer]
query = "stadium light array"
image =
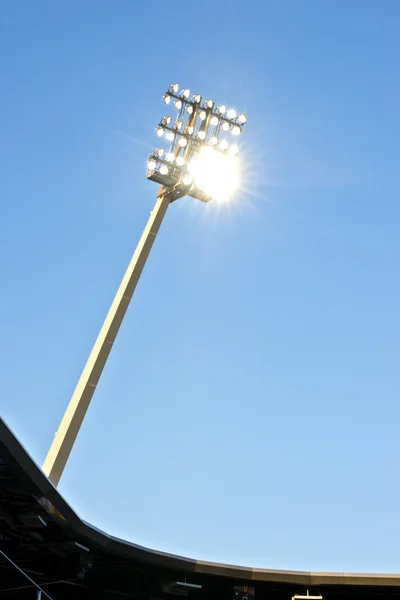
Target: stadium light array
[{"x": 199, "y": 161}]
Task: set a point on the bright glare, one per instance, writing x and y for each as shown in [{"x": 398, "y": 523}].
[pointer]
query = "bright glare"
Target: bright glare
[
  {"x": 170, "y": 156},
  {"x": 152, "y": 165},
  {"x": 222, "y": 109},
  {"x": 202, "y": 135},
  {"x": 187, "y": 180},
  {"x": 231, "y": 114},
  {"x": 242, "y": 118},
  {"x": 170, "y": 136},
  {"x": 160, "y": 152},
  {"x": 182, "y": 142},
  {"x": 159, "y": 131},
  {"x": 180, "y": 161},
  {"x": 235, "y": 130},
  {"x": 216, "y": 173},
  {"x": 214, "y": 120},
  {"x": 202, "y": 115},
  {"x": 225, "y": 125},
  {"x": 164, "y": 170},
  {"x": 214, "y": 140}
]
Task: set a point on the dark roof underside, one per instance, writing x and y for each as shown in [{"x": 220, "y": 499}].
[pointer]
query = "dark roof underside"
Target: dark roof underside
[{"x": 69, "y": 558}]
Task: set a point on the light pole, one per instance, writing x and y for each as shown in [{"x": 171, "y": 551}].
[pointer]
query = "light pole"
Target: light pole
[{"x": 200, "y": 162}]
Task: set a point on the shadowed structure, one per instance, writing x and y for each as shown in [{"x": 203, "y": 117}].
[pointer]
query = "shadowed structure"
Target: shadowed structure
[{"x": 67, "y": 557}]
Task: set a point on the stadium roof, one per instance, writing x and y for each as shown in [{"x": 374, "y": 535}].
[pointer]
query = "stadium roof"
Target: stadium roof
[{"x": 44, "y": 537}]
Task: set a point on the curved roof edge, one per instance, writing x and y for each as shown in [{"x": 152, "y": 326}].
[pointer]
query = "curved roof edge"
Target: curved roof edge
[{"x": 30, "y": 474}]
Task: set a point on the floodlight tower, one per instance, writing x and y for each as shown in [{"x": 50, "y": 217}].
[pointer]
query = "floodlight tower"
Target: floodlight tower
[{"x": 199, "y": 162}]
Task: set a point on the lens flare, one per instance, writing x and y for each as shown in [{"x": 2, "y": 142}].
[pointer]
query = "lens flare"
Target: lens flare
[{"x": 216, "y": 173}]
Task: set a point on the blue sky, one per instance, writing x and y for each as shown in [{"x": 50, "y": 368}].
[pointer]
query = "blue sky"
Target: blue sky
[{"x": 249, "y": 410}]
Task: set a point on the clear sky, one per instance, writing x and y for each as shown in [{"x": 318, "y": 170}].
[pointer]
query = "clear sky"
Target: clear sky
[{"x": 249, "y": 412}]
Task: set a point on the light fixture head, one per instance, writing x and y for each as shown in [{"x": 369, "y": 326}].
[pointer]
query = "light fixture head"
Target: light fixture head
[
  {"x": 233, "y": 150},
  {"x": 196, "y": 156}
]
